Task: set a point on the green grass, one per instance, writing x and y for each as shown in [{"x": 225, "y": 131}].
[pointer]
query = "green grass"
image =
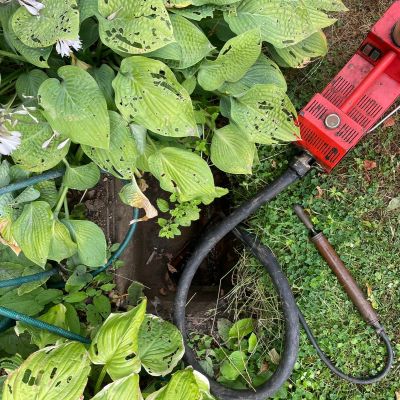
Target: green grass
[{"x": 351, "y": 207}]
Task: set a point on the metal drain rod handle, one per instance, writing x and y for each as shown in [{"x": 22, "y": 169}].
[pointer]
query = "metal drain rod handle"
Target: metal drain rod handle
[{"x": 337, "y": 266}]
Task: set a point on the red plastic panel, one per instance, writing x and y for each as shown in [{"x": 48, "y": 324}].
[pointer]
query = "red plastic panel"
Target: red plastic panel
[{"x": 360, "y": 94}]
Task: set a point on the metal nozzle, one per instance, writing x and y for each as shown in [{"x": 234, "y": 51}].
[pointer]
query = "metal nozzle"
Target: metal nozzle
[
  {"x": 305, "y": 218},
  {"x": 396, "y": 34}
]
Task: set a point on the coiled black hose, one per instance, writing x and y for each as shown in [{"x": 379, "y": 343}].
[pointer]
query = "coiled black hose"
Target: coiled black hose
[{"x": 291, "y": 313}]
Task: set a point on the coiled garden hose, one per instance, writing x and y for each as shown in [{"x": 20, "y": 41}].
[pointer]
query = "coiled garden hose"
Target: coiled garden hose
[
  {"x": 11, "y": 315},
  {"x": 298, "y": 169}
]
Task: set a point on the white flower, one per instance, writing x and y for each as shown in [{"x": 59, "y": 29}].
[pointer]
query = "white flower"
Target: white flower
[
  {"x": 9, "y": 140},
  {"x": 63, "y": 47},
  {"x": 32, "y": 6}
]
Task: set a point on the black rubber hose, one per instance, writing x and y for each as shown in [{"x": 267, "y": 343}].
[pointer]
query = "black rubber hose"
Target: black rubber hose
[
  {"x": 280, "y": 282},
  {"x": 290, "y": 310}
]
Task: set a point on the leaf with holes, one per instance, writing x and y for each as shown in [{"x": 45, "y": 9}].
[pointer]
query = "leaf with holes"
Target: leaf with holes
[
  {"x": 160, "y": 346},
  {"x": 184, "y": 173},
  {"x": 266, "y": 114},
  {"x": 116, "y": 343},
  {"x": 91, "y": 242},
  {"x": 32, "y": 154},
  {"x": 282, "y": 23},
  {"x": 120, "y": 158},
  {"x": 134, "y": 27},
  {"x": 36, "y": 56},
  {"x": 61, "y": 245},
  {"x": 82, "y": 177},
  {"x": 300, "y": 54},
  {"x": 125, "y": 388},
  {"x": 42, "y": 338},
  {"x": 53, "y": 373},
  {"x": 195, "y": 13},
  {"x": 264, "y": 71},
  {"x": 58, "y": 20},
  {"x": 148, "y": 93},
  {"x": 75, "y": 107},
  {"x": 32, "y": 231},
  {"x": 232, "y": 151},
  {"x": 190, "y": 47},
  {"x": 233, "y": 61}
]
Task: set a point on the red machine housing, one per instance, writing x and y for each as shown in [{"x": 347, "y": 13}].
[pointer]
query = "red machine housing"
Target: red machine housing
[{"x": 356, "y": 99}]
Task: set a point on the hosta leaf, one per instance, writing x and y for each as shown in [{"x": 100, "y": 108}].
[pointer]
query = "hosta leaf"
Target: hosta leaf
[
  {"x": 116, "y": 343},
  {"x": 75, "y": 107},
  {"x": 182, "y": 386},
  {"x": 264, "y": 71},
  {"x": 147, "y": 92},
  {"x": 233, "y": 61},
  {"x": 26, "y": 303},
  {"x": 87, "y": 9},
  {"x": 215, "y": 2},
  {"x": 299, "y": 55},
  {"x": 36, "y": 56},
  {"x": 53, "y": 373},
  {"x": 232, "y": 151},
  {"x": 104, "y": 77},
  {"x": 42, "y": 338},
  {"x": 28, "y": 84},
  {"x": 191, "y": 44},
  {"x": 82, "y": 177},
  {"x": 58, "y": 20},
  {"x": 120, "y": 158},
  {"x": 266, "y": 114},
  {"x": 90, "y": 239},
  {"x": 61, "y": 246},
  {"x": 134, "y": 27},
  {"x": 32, "y": 231},
  {"x": 132, "y": 195},
  {"x": 160, "y": 346},
  {"x": 195, "y": 13},
  {"x": 184, "y": 173},
  {"x": 327, "y": 5},
  {"x": 27, "y": 195},
  {"x": 282, "y": 23},
  {"x": 48, "y": 192},
  {"x": 123, "y": 389},
  {"x": 32, "y": 155}
]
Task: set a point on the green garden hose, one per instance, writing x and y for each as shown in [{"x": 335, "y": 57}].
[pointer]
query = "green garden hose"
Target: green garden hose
[{"x": 10, "y": 315}]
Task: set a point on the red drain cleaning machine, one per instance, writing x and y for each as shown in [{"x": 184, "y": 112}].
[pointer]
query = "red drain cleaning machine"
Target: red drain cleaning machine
[{"x": 356, "y": 102}]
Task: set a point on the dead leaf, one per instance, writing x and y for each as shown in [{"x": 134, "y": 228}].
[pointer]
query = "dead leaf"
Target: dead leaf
[
  {"x": 320, "y": 193},
  {"x": 274, "y": 356},
  {"x": 6, "y": 237},
  {"x": 264, "y": 367},
  {"x": 163, "y": 291},
  {"x": 397, "y": 395},
  {"x": 172, "y": 269},
  {"x": 389, "y": 122},
  {"x": 369, "y": 290},
  {"x": 369, "y": 165}
]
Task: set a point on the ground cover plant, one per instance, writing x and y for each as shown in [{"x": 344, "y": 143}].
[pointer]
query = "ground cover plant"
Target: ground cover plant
[{"x": 357, "y": 207}]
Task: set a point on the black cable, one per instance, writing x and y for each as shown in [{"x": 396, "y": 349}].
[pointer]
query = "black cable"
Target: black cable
[{"x": 289, "y": 307}]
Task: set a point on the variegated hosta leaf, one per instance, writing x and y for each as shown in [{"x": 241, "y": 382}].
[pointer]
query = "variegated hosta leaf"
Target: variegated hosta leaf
[
  {"x": 134, "y": 27},
  {"x": 182, "y": 386},
  {"x": 53, "y": 373},
  {"x": 190, "y": 47},
  {"x": 232, "y": 151},
  {"x": 36, "y": 56},
  {"x": 132, "y": 195},
  {"x": 148, "y": 93},
  {"x": 282, "y": 23},
  {"x": 75, "y": 107},
  {"x": 82, "y": 177},
  {"x": 264, "y": 71},
  {"x": 299, "y": 55},
  {"x": 120, "y": 158},
  {"x": 90, "y": 240},
  {"x": 32, "y": 231},
  {"x": 61, "y": 246},
  {"x": 123, "y": 389},
  {"x": 32, "y": 154},
  {"x": 160, "y": 346},
  {"x": 58, "y": 20},
  {"x": 116, "y": 343},
  {"x": 184, "y": 173},
  {"x": 233, "y": 61},
  {"x": 266, "y": 114}
]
